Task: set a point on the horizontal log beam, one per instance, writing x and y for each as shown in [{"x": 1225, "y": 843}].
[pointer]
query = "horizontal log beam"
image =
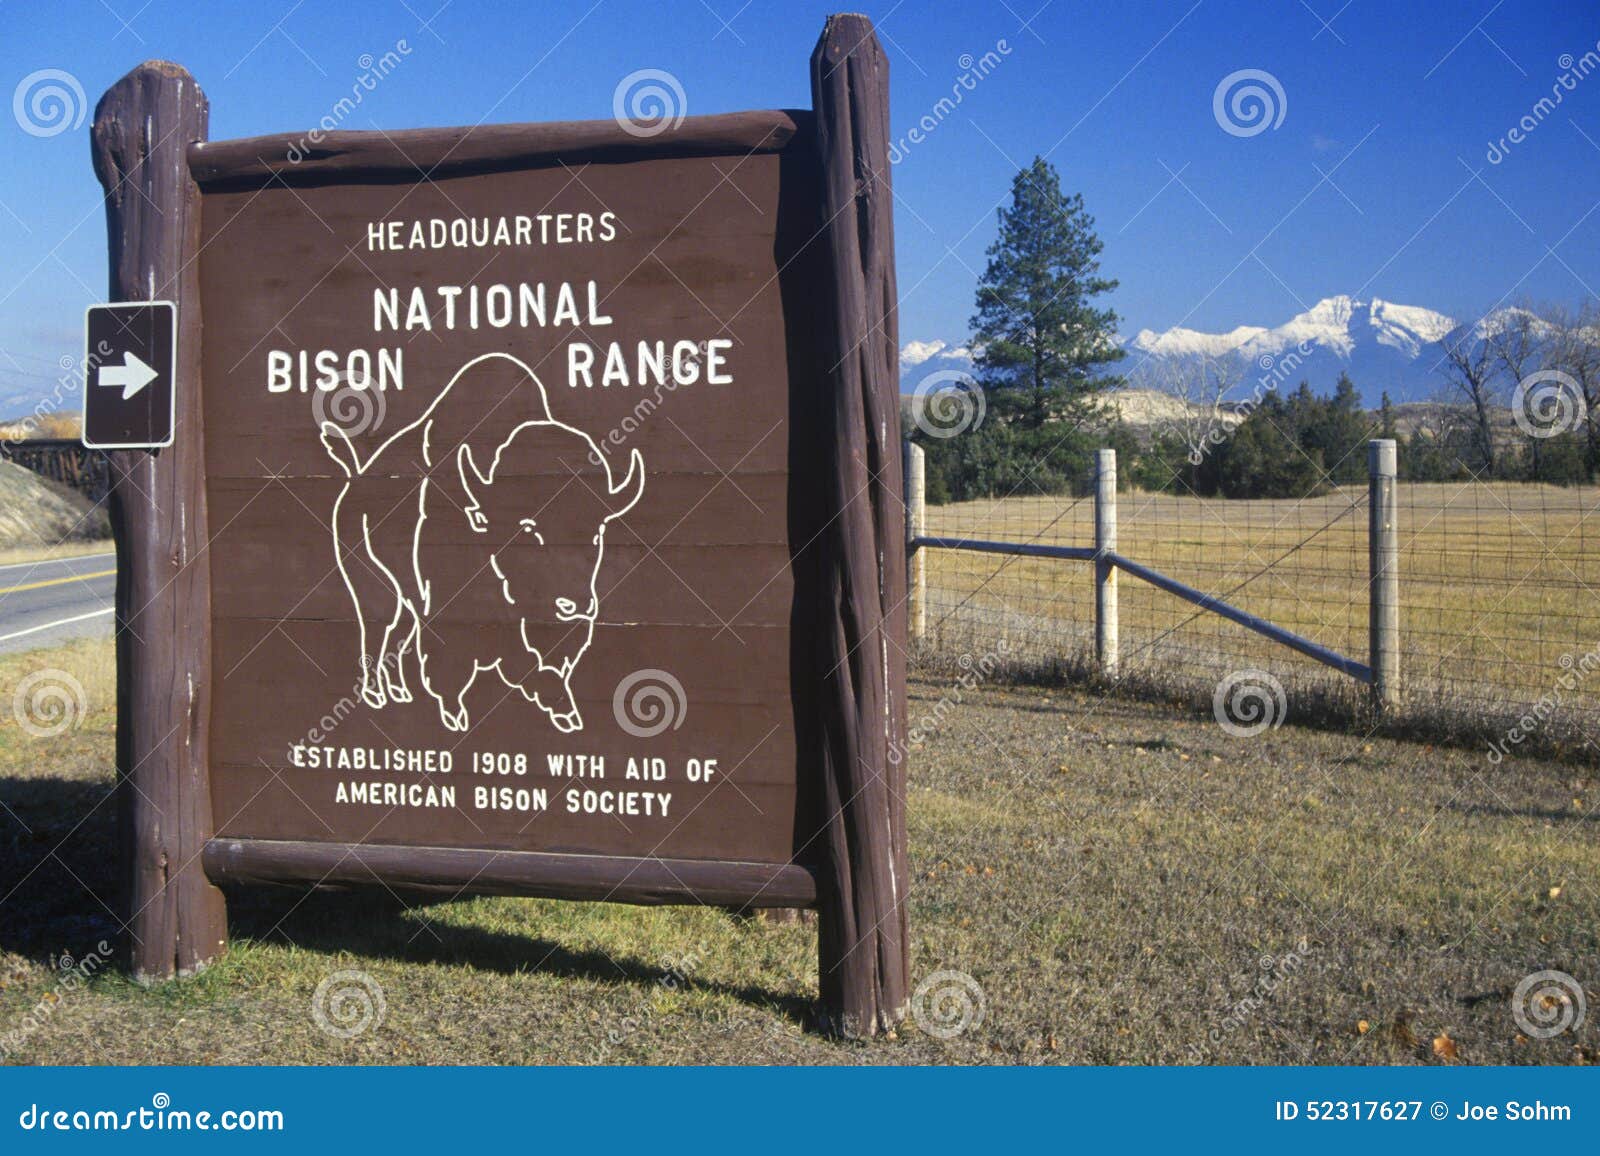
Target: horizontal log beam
[
  {"x": 456, "y": 871},
  {"x": 433, "y": 153}
]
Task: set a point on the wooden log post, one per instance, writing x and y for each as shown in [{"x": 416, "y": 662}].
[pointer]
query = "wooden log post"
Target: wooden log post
[
  {"x": 1383, "y": 552},
  {"x": 916, "y": 527},
  {"x": 862, "y": 636},
  {"x": 143, "y": 128},
  {"x": 1105, "y": 569}
]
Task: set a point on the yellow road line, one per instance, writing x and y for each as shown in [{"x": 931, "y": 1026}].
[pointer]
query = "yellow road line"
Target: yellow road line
[{"x": 57, "y": 581}]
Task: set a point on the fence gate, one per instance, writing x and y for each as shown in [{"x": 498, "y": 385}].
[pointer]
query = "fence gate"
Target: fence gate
[{"x": 1381, "y": 671}]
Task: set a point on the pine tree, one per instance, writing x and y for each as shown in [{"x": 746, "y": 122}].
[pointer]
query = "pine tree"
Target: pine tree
[
  {"x": 1266, "y": 455},
  {"x": 1042, "y": 340},
  {"x": 1338, "y": 427}
]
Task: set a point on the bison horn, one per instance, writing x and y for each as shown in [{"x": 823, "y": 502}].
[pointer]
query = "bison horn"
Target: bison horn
[{"x": 630, "y": 489}]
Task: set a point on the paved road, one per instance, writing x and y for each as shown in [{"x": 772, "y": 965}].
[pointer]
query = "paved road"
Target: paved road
[{"x": 45, "y": 603}]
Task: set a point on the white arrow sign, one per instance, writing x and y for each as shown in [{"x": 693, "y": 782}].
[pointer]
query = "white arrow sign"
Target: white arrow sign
[{"x": 132, "y": 375}]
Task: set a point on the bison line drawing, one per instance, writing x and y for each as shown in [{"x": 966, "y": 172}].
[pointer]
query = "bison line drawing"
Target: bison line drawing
[{"x": 474, "y": 552}]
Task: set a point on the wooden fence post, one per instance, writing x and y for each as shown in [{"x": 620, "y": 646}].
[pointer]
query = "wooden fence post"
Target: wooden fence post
[
  {"x": 916, "y": 527},
  {"x": 1383, "y": 551},
  {"x": 862, "y": 637},
  {"x": 1105, "y": 571},
  {"x": 143, "y": 128}
]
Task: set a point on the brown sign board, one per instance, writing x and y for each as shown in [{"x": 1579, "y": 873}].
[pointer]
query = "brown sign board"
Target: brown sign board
[
  {"x": 503, "y": 466},
  {"x": 532, "y": 521}
]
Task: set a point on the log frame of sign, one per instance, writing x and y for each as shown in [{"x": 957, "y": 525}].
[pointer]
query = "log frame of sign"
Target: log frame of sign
[
  {"x": 862, "y": 640},
  {"x": 176, "y": 918},
  {"x": 148, "y": 151}
]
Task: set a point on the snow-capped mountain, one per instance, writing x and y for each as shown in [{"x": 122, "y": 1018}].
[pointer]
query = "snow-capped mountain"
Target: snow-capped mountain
[
  {"x": 1380, "y": 344},
  {"x": 921, "y": 361},
  {"x": 1181, "y": 342}
]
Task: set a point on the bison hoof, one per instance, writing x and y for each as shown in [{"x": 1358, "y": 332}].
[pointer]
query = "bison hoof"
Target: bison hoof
[
  {"x": 456, "y": 721},
  {"x": 569, "y": 722},
  {"x": 373, "y": 697},
  {"x": 399, "y": 694}
]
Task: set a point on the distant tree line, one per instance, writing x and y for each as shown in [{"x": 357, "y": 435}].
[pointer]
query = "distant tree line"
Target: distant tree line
[
  {"x": 1293, "y": 444},
  {"x": 1300, "y": 444},
  {"x": 1290, "y": 446}
]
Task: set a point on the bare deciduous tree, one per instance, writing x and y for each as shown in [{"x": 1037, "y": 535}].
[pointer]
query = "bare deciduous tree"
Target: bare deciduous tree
[
  {"x": 1575, "y": 351},
  {"x": 1518, "y": 343},
  {"x": 1200, "y": 384},
  {"x": 1472, "y": 372}
]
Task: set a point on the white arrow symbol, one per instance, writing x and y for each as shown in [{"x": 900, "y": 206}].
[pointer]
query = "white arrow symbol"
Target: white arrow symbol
[{"x": 132, "y": 375}]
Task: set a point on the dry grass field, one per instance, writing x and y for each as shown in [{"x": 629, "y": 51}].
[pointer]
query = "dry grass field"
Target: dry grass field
[
  {"x": 1499, "y": 587},
  {"x": 1114, "y": 882}
]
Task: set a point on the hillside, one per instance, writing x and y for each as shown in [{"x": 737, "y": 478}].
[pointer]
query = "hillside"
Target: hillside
[
  {"x": 60, "y": 425},
  {"x": 36, "y": 512},
  {"x": 1145, "y": 411}
]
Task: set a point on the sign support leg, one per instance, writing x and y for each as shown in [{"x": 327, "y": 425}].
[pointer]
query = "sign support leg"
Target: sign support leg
[
  {"x": 862, "y": 624},
  {"x": 143, "y": 128}
]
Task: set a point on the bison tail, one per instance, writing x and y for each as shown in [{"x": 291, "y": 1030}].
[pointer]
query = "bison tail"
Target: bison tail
[{"x": 337, "y": 443}]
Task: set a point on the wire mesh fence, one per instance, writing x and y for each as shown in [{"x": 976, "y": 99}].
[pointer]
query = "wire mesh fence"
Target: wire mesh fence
[
  {"x": 1500, "y": 610},
  {"x": 1498, "y": 582}
]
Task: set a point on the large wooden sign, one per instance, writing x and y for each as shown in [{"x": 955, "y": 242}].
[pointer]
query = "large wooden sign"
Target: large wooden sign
[{"x": 532, "y": 519}]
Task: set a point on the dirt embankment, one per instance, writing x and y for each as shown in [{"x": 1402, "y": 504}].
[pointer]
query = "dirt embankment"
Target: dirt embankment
[{"x": 35, "y": 512}]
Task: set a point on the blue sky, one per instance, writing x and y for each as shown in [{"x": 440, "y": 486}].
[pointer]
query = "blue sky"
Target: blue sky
[{"x": 1375, "y": 183}]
